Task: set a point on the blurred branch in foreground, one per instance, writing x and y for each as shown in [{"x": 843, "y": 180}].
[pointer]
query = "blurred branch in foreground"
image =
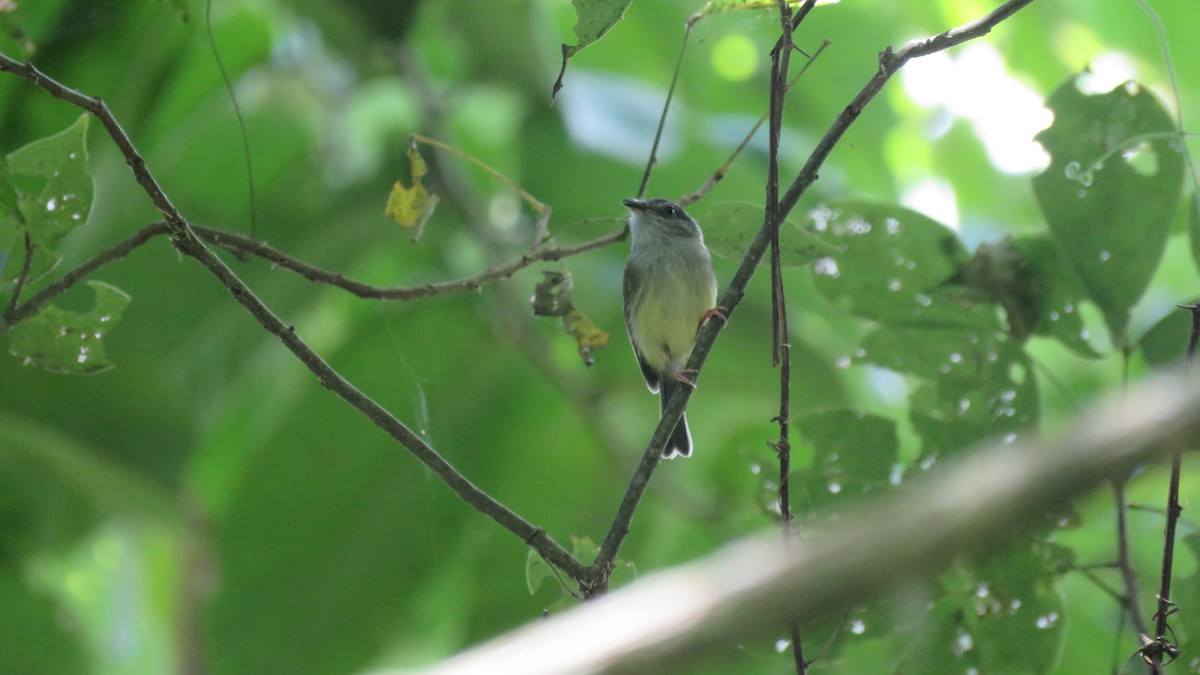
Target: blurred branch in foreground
[{"x": 751, "y": 587}]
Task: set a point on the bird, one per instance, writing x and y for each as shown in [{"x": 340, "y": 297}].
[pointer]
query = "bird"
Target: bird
[{"x": 670, "y": 290}]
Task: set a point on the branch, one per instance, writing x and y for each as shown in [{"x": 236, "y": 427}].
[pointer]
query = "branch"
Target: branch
[
  {"x": 1174, "y": 509},
  {"x": 749, "y": 588},
  {"x": 1129, "y": 598},
  {"x": 188, "y": 243},
  {"x": 889, "y": 64},
  {"x": 781, "y": 350},
  {"x": 22, "y": 277},
  {"x": 241, "y": 244},
  {"x": 19, "y": 313}
]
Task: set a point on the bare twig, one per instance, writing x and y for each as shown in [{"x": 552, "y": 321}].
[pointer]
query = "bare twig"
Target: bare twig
[
  {"x": 1174, "y": 509},
  {"x": 237, "y": 112},
  {"x": 781, "y": 351},
  {"x": 188, "y": 243},
  {"x": 662, "y": 119},
  {"x": 1124, "y": 562}
]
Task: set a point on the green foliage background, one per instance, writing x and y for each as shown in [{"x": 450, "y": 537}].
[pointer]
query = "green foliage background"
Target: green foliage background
[{"x": 207, "y": 504}]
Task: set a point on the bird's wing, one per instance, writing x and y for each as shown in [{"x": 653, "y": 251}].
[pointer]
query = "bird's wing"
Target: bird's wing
[{"x": 649, "y": 374}]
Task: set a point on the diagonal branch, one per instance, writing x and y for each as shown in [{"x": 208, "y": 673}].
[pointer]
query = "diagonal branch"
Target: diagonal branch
[
  {"x": 189, "y": 243},
  {"x": 889, "y": 63}
]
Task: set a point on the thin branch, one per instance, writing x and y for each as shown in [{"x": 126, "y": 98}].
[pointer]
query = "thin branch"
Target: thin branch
[
  {"x": 781, "y": 352},
  {"x": 241, "y": 244},
  {"x": 22, "y": 277},
  {"x": 662, "y": 119},
  {"x": 237, "y": 111},
  {"x": 533, "y": 202},
  {"x": 1174, "y": 509},
  {"x": 188, "y": 243},
  {"x": 722, "y": 170},
  {"x": 1124, "y": 562},
  {"x": 1091, "y": 576},
  {"x": 889, "y": 63},
  {"x": 41, "y": 298}
]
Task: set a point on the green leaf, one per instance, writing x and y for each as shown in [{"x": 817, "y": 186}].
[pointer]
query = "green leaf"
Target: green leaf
[
  {"x": 1111, "y": 191},
  {"x": 53, "y": 185},
  {"x": 67, "y": 342},
  {"x": 9, "y": 207},
  {"x": 1164, "y": 346},
  {"x": 1016, "y": 603},
  {"x": 594, "y": 18},
  {"x": 976, "y": 385},
  {"x": 895, "y": 266},
  {"x": 853, "y": 456},
  {"x": 1193, "y": 226},
  {"x": 11, "y": 220},
  {"x": 1187, "y": 623},
  {"x": 1031, "y": 280},
  {"x": 1056, "y": 294},
  {"x": 537, "y": 570},
  {"x": 730, "y": 227}
]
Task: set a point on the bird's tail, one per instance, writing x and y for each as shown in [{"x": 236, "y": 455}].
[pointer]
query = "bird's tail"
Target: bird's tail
[{"x": 680, "y": 444}]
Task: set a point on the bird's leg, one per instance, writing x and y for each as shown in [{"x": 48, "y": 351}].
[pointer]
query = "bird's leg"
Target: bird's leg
[
  {"x": 718, "y": 311},
  {"x": 681, "y": 374}
]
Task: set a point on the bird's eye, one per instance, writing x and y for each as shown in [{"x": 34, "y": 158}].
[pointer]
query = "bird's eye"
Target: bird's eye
[{"x": 671, "y": 212}]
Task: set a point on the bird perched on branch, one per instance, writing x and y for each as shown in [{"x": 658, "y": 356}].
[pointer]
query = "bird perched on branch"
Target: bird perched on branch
[{"x": 670, "y": 289}]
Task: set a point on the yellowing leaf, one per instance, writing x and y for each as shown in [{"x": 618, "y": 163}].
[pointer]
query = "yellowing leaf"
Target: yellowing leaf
[
  {"x": 411, "y": 206},
  {"x": 552, "y": 297},
  {"x": 587, "y": 335}
]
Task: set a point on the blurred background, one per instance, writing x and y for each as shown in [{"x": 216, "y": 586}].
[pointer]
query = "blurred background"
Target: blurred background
[{"x": 206, "y": 506}]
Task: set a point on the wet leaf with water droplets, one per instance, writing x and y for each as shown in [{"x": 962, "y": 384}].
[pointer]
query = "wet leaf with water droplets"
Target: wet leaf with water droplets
[
  {"x": 52, "y": 183},
  {"x": 729, "y": 227},
  {"x": 894, "y": 265},
  {"x": 1030, "y": 278},
  {"x": 1111, "y": 215},
  {"x": 62, "y": 341},
  {"x": 853, "y": 455}
]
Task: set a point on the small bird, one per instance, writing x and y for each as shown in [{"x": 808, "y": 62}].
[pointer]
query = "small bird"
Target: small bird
[{"x": 670, "y": 289}]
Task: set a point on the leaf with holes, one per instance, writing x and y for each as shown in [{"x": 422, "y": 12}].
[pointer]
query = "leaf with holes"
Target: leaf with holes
[
  {"x": 976, "y": 384},
  {"x": 62, "y": 341},
  {"x": 53, "y": 187},
  {"x": 1111, "y": 191}
]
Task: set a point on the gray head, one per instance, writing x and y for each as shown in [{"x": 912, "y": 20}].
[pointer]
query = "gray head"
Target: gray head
[{"x": 659, "y": 218}]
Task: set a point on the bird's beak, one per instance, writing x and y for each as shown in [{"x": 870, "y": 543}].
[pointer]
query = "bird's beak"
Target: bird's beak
[{"x": 634, "y": 204}]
